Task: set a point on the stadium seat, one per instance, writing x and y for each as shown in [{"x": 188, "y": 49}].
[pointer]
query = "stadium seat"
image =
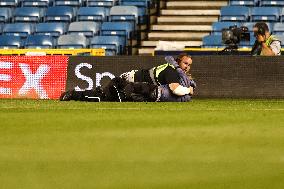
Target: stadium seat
[
  {"x": 271, "y": 2},
  {"x": 234, "y": 13},
  {"x": 28, "y": 14},
  {"x": 101, "y": 3},
  {"x": 142, "y": 5},
  {"x": 36, "y": 3},
  {"x": 212, "y": 41},
  {"x": 9, "y": 3},
  {"x": 265, "y": 14},
  {"x": 113, "y": 45},
  {"x": 39, "y": 42},
  {"x": 75, "y": 3},
  {"x": 123, "y": 29},
  {"x": 60, "y": 13},
  {"x": 244, "y": 2},
  {"x": 281, "y": 38},
  {"x": 218, "y": 26},
  {"x": 54, "y": 29},
  {"x": 10, "y": 42},
  {"x": 124, "y": 13},
  {"x": 72, "y": 41},
  {"x": 278, "y": 28},
  {"x": 91, "y": 14},
  {"x": 86, "y": 28},
  {"x": 18, "y": 29},
  {"x": 5, "y": 14}
]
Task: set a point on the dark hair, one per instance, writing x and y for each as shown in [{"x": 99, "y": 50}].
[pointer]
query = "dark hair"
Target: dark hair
[
  {"x": 262, "y": 27},
  {"x": 180, "y": 56}
]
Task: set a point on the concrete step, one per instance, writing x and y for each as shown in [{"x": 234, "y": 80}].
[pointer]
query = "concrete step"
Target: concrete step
[
  {"x": 207, "y": 28},
  {"x": 195, "y": 4},
  {"x": 185, "y": 43},
  {"x": 146, "y": 51},
  {"x": 183, "y": 20},
  {"x": 177, "y": 36},
  {"x": 187, "y": 12}
]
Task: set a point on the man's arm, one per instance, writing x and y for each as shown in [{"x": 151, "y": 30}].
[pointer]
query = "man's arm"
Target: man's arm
[
  {"x": 179, "y": 90},
  {"x": 266, "y": 50}
]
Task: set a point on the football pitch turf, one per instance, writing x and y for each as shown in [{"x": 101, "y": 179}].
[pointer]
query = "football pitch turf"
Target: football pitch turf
[{"x": 204, "y": 144}]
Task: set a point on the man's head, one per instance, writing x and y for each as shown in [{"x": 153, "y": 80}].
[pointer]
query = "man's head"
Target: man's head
[
  {"x": 184, "y": 61},
  {"x": 261, "y": 29}
]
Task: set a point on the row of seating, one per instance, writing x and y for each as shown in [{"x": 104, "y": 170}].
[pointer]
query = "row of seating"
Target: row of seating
[
  {"x": 257, "y": 2},
  {"x": 253, "y": 14},
  {"x": 112, "y": 44},
  {"x": 46, "y": 3},
  {"x": 69, "y": 14},
  {"x": 55, "y": 29}
]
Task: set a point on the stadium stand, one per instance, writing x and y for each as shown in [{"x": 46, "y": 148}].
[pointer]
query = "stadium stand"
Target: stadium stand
[
  {"x": 10, "y": 42},
  {"x": 92, "y": 14},
  {"x": 39, "y": 42},
  {"x": 60, "y": 13},
  {"x": 86, "y": 28},
  {"x": 9, "y": 3},
  {"x": 28, "y": 14},
  {"x": 72, "y": 41},
  {"x": 36, "y": 3},
  {"x": 5, "y": 15},
  {"x": 112, "y": 44},
  {"x": 54, "y": 29},
  {"x": 18, "y": 29}
]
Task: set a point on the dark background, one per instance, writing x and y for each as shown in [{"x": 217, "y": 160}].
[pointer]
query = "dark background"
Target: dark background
[{"x": 216, "y": 76}]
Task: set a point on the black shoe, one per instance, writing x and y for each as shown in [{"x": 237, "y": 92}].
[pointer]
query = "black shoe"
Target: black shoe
[{"x": 66, "y": 96}]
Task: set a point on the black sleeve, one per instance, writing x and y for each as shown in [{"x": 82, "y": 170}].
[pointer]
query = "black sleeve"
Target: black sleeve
[{"x": 169, "y": 75}]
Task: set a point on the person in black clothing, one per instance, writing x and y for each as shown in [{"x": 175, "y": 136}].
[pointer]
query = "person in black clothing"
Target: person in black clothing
[{"x": 165, "y": 74}]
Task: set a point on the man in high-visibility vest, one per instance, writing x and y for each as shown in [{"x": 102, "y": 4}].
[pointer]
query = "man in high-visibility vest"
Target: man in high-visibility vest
[
  {"x": 165, "y": 75},
  {"x": 265, "y": 43}
]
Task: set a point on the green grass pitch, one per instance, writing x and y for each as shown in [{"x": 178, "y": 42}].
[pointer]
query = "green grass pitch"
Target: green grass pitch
[{"x": 204, "y": 144}]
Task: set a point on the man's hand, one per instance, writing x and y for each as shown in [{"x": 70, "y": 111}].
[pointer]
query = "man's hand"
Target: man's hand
[
  {"x": 260, "y": 38},
  {"x": 191, "y": 90}
]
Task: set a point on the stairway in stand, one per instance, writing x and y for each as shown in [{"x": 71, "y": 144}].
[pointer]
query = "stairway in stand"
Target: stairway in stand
[{"x": 184, "y": 22}]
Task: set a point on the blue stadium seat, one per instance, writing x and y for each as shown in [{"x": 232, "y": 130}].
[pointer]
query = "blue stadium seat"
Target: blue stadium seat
[
  {"x": 218, "y": 26},
  {"x": 28, "y": 14},
  {"x": 281, "y": 38},
  {"x": 10, "y": 42},
  {"x": 39, "y": 42},
  {"x": 18, "y": 29},
  {"x": 86, "y": 28},
  {"x": 265, "y": 14},
  {"x": 143, "y": 7},
  {"x": 271, "y": 2},
  {"x": 8, "y": 3},
  {"x": 36, "y": 3},
  {"x": 278, "y": 28},
  {"x": 1, "y": 28},
  {"x": 234, "y": 13},
  {"x": 212, "y": 41},
  {"x": 72, "y": 41},
  {"x": 5, "y": 14},
  {"x": 75, "y": 3},
  {"x": 101, "y": 3},
  {"x": 124, "y": 13},
  {"x": 60, "y": 13},
  {"x": 113, "y": 45},
  {"x": 123, "y": 29},
  {"x": 54, "y": 29},
  {"x": 244, "y": 2},
  {"x": 92, "y": 14}
]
